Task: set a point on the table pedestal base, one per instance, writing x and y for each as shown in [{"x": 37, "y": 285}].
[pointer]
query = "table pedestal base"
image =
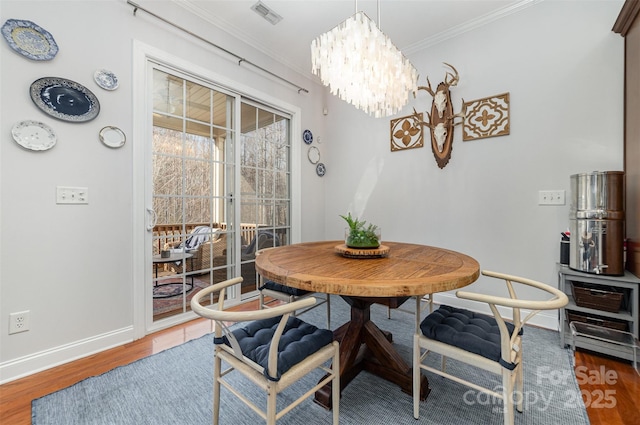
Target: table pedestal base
[{"x": 363, "y": 346}]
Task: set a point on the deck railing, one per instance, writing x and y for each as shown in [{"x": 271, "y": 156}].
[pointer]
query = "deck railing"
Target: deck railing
[{"x": 171, "y": 233}]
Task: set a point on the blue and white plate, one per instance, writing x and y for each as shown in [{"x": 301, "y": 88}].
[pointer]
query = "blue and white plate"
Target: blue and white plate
[
  {"x": 64, "y": 99},
  {"x": 321, "y": 169},
  {"x": 106, "y": 79},
  {"x": 29, "y": 39},
  {"x": 307, "y": 136}
]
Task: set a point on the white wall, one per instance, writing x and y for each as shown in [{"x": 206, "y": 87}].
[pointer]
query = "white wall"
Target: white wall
[
  {"x": 563, "y": 68},
  {"x": 71, "y": 266}
]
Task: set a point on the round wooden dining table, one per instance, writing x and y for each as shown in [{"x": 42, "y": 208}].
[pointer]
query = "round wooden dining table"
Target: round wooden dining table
[{"x": 406, "y": 270}]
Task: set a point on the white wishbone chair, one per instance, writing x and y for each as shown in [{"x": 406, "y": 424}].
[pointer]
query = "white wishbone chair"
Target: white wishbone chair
[
  {"x": 487, "y": 342},
  {"x": 269, "y": 334}
]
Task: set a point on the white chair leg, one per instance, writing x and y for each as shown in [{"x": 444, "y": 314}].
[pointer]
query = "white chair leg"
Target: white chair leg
[
  {"x": 508, "y": 396},
  {"x": 328, "y": 311},
  {"x": 271, "y": 405},
  {"x": 335, "y": 386},
  {"x": 520, "y": 386},
  {"x": 217, "y": 367},
  {"x": 416, "y": 376}
]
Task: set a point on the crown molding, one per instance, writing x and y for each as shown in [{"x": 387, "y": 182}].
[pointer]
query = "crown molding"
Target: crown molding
[
  {"x": 627, "y": 16},
  {"x": 468, "y": 26}
]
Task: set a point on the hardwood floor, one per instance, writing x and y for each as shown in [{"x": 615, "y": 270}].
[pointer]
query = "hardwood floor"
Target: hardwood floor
[{"x": 609, "y": 387}]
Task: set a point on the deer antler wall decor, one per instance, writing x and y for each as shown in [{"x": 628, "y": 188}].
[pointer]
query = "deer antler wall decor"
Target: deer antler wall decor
[{"x": 441, "y": 119}]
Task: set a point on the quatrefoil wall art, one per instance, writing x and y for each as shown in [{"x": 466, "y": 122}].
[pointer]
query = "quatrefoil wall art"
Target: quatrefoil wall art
[
  {"x": 487, "y": 117},
  {"x": 405, "y": 134}
]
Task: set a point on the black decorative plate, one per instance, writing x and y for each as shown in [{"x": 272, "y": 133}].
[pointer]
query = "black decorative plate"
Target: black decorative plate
[
  {"x": 321, "y": 169},
  {"x": 64, "y": 99}
]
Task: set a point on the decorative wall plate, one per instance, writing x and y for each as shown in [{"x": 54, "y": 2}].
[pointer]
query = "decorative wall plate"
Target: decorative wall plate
[
  {"x": 106, "y": 79},
  {"x": 34, "y": 135},
  {"x": 29, "y": 39},
  {"x": 307, "y": 136},
  {"x": 313, "y": 154},
  {"x": 321, "y": 169},
  {"x": 112, "y": 136},
  {"x": 64, "y": 99}
]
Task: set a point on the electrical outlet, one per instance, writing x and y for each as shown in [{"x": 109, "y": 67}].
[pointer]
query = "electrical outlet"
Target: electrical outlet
[
  {"x": 551, "y": 197},
  {"x": 18, "y": 322}
]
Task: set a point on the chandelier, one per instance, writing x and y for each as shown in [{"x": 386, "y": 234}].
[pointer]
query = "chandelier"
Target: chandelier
[{"x": 361, "y": 65}]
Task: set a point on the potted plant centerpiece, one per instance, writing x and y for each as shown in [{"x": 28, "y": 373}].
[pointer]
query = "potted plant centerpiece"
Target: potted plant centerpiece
[{"x": 359, "y": 234}]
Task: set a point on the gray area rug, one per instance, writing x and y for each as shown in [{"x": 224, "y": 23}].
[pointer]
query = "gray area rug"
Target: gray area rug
[{"x": 175, "y": 387}]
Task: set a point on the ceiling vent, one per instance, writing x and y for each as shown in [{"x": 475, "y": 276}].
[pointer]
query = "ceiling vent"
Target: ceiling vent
[{"x": 268, "y": 14}]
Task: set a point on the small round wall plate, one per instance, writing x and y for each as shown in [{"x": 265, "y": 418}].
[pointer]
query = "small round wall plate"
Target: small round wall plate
[
  {"x": 106, "y": 79},
  {"x": 29, "y": 39},
  {"x": 112, "y": 137},
  {"x": 313, "y": 154},
  {"x": 307, "y": 136},
  {"x": 321, "y": 169},
  {"x": 34, "y": 135}
]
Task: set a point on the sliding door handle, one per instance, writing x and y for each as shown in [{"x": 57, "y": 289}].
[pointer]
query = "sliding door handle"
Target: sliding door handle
[{"x": 152, "y": 219}]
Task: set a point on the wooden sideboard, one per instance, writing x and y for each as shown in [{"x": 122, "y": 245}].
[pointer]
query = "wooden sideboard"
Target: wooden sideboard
[{"x": 628, "y": 26}]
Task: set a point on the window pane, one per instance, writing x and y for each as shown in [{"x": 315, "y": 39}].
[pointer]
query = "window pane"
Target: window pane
[
  {"x": 198, "y": 102},
  {"x": 167, "y": 93},
  {"x": 281, "y": 185},
  {"x": 248, "y": 184},
  {"x": 197, "y": 178},
  {"x": 249, "y": 118},
  {"x": 281, "y": 213},
  {"x": 222, "y": 110},
  {"x": 167, "y": 175},
  {"x": 264, "y": 184},
  {"x": 168, "y": 141}
]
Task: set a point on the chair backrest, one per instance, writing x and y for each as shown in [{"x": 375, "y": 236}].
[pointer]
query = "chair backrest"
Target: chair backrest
[
  {"x": 263, "y": 239},
  {"x": 223, "y": 317},
  {"x": 198, "y": 236}
]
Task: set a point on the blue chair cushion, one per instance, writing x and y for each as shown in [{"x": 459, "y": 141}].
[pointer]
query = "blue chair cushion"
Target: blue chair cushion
[
  {"x": 473, "y": 332},
  {"x": 283, "y": 288},
  {"x": 299, "y": 340}
]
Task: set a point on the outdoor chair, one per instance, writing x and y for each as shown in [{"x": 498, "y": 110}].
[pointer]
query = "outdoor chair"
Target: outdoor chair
[
  {"x": 204, "y": 243},
  {"x": 486, "y": 342},
  {"x": 273, "y": 350},
  {"x": 272, "y": 293}
]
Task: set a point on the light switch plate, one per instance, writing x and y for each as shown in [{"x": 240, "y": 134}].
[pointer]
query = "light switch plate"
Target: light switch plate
[
  {"x": 551, "y": 197},
  {"x": 72, "y": 195}
]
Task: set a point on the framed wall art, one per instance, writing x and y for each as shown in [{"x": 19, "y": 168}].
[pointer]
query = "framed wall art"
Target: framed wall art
[
  {"x": 406, "y": 133},
  {"x": 487, "y": 117}
]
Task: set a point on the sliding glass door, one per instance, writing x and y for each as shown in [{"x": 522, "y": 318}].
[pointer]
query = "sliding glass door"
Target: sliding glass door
[{"x": 216, "y": 197}]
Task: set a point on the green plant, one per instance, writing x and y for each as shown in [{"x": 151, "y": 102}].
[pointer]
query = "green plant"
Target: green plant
[{"x": 360, "y": 234}]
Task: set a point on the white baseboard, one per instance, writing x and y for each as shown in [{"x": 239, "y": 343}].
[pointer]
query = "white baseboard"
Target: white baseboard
[
  {"x": 544, "y": 319},
  {"x": 37, "y": 362}
]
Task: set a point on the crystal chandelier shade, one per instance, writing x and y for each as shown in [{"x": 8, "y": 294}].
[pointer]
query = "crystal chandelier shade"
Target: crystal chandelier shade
[{"x": 361, "y": 65}]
